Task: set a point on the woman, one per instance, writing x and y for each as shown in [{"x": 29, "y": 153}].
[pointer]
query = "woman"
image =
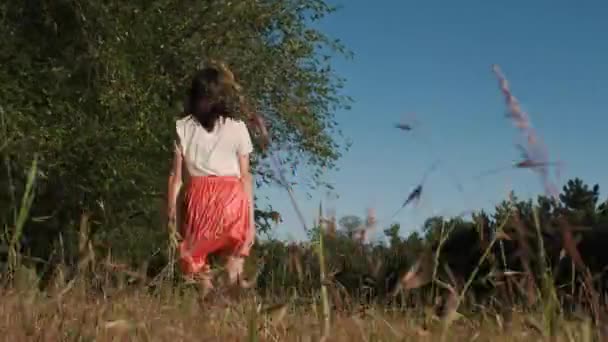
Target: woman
[{"x": 214, "y": 148}]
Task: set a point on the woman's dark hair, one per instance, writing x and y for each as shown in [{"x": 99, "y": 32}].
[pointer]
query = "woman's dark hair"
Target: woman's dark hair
[{"x": 207, "y": 98}]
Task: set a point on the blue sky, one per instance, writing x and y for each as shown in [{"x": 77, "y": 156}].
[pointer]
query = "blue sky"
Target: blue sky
[{"x": 434, "y": 59}]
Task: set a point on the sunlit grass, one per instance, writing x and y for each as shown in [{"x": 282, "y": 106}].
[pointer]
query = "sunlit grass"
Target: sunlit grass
[
  {"x": 93, "y": 306},
  {"x": 138, "y": 315}
]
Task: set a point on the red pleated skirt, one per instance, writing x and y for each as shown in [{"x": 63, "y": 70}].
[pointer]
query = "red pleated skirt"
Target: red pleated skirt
[{"x": 216, "y": 220}]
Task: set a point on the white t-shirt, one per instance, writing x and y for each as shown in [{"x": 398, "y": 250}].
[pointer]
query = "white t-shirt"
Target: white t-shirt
[{"x": 216, "y": 152}]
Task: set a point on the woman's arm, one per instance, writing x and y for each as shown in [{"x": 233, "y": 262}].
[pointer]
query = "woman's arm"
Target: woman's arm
[
  {"x": 174, "y": 184},
  {"x": 247, "y": 181}
]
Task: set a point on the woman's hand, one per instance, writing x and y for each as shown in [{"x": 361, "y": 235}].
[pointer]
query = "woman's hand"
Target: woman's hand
[{"x": 174, "y": 237}]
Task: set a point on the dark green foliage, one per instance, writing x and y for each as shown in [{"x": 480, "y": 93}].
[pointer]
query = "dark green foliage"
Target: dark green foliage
[{"x": 380, "y": 266}]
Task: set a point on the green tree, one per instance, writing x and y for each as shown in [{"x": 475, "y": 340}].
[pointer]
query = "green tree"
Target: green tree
[
  {"x": 94, "y": 89},
  {"x": 580, "y": 202},
  {"x": 392, "y": 233},
  {"x": 413, "y": 245},
  {"x": 484, "y": 226},
  {"x": 546, "y": 207},
  {"x": 602, "y": 211},
  {"x": 432, "y": 228},
  {"x": 350, "y": 224}
]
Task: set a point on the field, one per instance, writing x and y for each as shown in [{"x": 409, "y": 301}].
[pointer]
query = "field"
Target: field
[
  {"x": 136, "y": 315},
  {"x": 333, "y": 287},
  {"x": 120, "y": 304}
]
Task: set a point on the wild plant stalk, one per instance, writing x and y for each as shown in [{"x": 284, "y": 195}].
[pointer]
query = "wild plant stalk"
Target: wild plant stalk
[
  {"x": 324, "y": 298},
  {"x": 548, "y": 294},
  {"x": 442, "y": 240},
  {"x": 323, "y": 276},
  {"x": 483, "y": 258},
  {"x": 27, "y": 199},
  {"x": 589, "y": 290},
  {"x": 252, "y": 331},
  {"x": 524, "y": 249},
  {"x": 171, "y": 251},
  {"x": 573, "y": 277}
]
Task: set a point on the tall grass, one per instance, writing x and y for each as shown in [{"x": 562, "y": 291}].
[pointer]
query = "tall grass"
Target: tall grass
[
  {"x": 14, "y": 234},
  {"x": 126, "y": 305}
]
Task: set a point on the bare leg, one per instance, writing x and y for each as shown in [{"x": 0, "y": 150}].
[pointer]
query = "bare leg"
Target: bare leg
[
  {"x": 206, "y": 280},
  {"x": 234, "y": 269}
]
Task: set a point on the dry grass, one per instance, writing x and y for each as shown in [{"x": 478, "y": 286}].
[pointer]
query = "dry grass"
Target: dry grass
[{"x": 136, "y": 314}]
